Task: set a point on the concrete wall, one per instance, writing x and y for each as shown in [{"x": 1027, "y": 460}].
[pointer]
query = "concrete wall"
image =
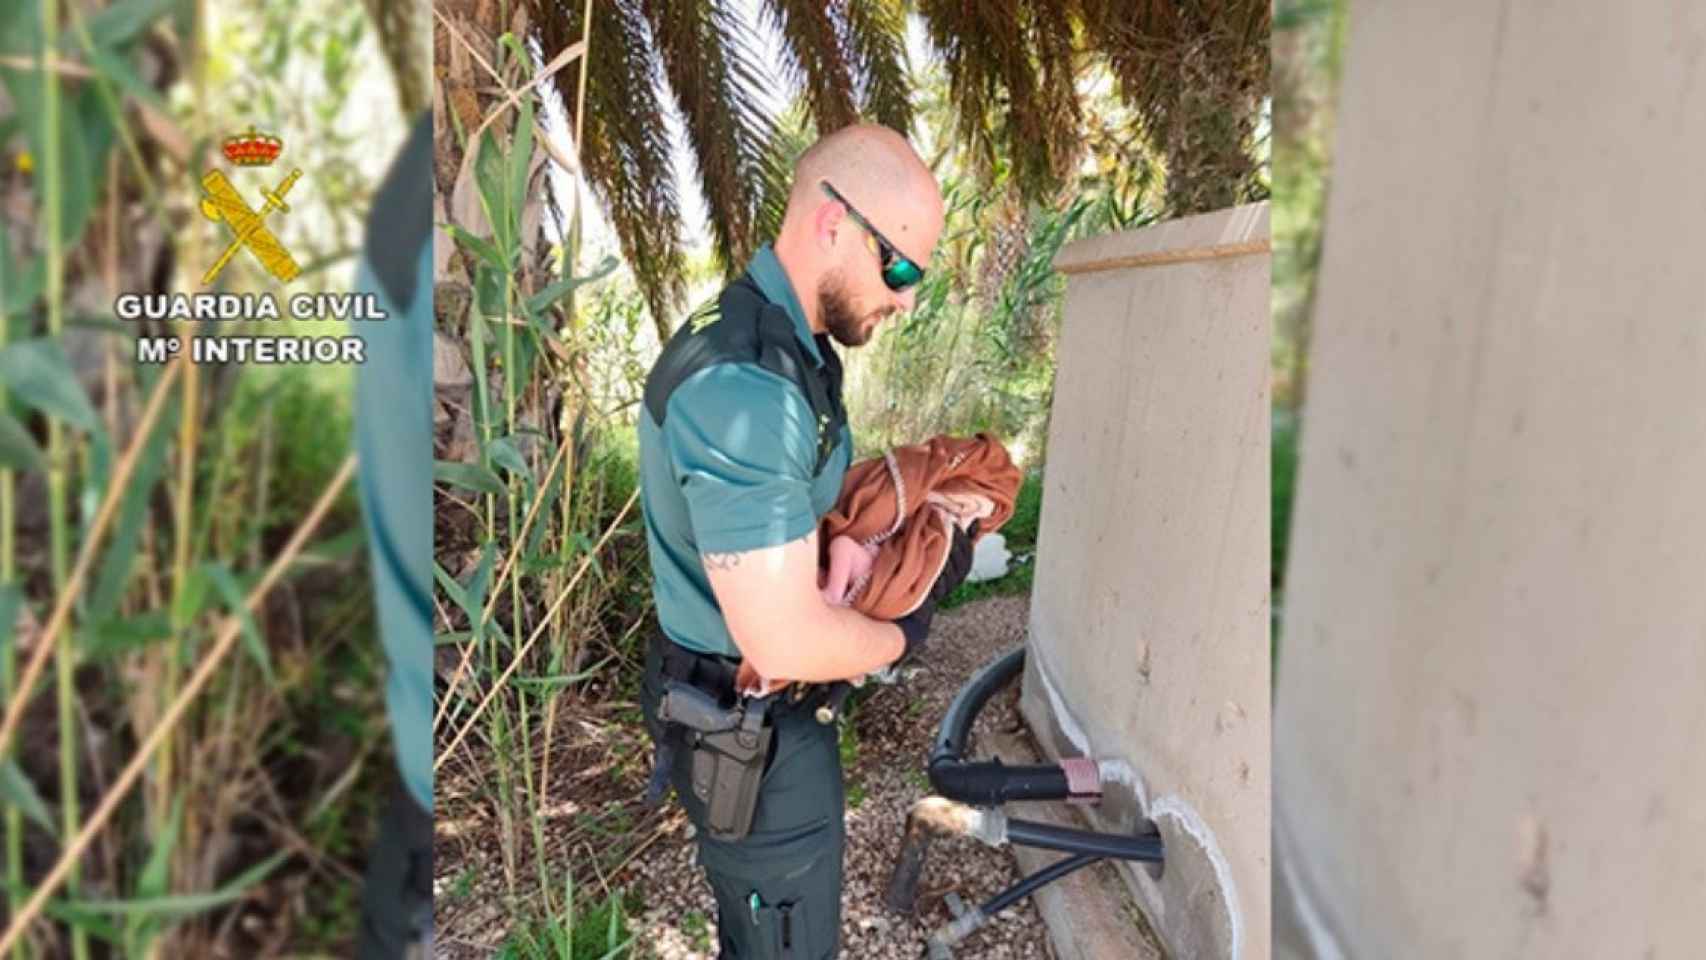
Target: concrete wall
[
  {"x": 1149, "y": 619},
  {"x": 1492, "y": 672}
]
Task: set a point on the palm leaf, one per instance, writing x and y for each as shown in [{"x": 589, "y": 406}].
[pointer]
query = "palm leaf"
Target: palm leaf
[
  {"x": 792, "y": 135},
  {"x": 1009, "y": 66},
  {"x": 877, "y": 38},
  {"x": 815, "y": 55},
  {"x": 708, "y": 60},
  {"x": 625, "y": 152}
]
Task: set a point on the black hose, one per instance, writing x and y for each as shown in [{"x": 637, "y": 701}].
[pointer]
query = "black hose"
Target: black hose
[
  {"x": 1029, "y": 885},
  {"x": 956, "y": 723},
  {"x": 988, "y": 783},
  {"x": 1029, "y": 833}
]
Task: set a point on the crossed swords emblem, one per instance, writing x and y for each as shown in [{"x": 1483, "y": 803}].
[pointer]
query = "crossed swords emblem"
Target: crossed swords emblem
[{"x": 248, "y": 227}]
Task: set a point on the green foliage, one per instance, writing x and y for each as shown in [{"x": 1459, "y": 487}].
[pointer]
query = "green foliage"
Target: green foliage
[
  {"x": 17, "y": 790},
  {"x": 310, "y": 424},
  {"x": 265, "y": 445},
  {"x": 1283, "y": 457},
  {"x": 697, "y": 929},
  {"x": 120, "y": 555},
  {"x": 599, "y": 932},
  {"x": 37, "y": 374},
  {"x": 1309, "y": 37},
  {"x": 977, "y": 352}
]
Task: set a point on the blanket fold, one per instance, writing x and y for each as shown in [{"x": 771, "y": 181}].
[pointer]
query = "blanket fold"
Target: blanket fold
[{"x": 901, "y": 504}]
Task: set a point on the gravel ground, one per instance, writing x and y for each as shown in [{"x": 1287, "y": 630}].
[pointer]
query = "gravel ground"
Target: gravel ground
[{"x": 893, "y": 728}]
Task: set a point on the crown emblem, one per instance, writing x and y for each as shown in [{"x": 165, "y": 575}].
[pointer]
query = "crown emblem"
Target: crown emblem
[{"x": 252, "y": 149}]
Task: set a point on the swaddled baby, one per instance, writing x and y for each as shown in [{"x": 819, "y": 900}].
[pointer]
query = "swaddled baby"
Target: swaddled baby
[{"x": 849, "y": 570}]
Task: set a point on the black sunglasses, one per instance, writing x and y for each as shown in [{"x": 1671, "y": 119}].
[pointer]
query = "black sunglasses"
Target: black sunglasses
[{"x": 899, "y": 272}]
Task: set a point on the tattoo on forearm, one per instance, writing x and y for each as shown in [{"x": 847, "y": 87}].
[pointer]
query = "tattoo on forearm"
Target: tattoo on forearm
[
  {"x": 721, "y": 561},
  {"x": 728, "y": 561}
]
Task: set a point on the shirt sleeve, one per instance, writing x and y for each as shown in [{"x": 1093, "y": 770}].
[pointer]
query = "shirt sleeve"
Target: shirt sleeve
[{"x": 742, "y": 442}]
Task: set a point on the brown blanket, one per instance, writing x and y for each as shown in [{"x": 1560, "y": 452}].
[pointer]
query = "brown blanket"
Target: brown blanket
[{"x": 943, "y": 480}]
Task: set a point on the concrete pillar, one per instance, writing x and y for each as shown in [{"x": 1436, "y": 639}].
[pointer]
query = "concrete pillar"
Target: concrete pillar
[
  {"x": 1492, "y": 672},
  {"x": 1149, "y": 620}
]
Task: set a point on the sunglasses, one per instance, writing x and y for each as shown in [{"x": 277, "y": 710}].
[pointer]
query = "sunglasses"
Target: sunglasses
[{"x": 899, "y": 273}]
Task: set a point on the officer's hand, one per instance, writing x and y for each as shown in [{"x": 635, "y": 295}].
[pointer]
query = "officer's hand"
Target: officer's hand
[{"x": 915, "y": 626}]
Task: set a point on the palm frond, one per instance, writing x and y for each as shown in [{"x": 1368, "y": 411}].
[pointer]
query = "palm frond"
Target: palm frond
[
  {"x": 626, "y": 162},
  {"x": 708, "y": 60},
  {"x": 1007, "y": 106},
  {"x": 794, "y": 132},
  {"x": 814, "y": 49},
  {"x": 877, "y": 38},
  {"x": 1052, "y": 36}
]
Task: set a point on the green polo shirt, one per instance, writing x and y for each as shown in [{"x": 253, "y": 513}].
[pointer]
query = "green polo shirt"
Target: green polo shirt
[{"x": 730, "y": 470}]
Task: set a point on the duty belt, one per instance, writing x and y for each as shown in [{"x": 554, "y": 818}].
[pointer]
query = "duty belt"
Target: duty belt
[{"x": 730, "y": 743}]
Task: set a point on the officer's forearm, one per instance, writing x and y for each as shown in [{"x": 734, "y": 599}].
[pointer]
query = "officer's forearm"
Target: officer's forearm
[
  {"x": 779, "y": 620},
  {"x": 842, "y": 644}
]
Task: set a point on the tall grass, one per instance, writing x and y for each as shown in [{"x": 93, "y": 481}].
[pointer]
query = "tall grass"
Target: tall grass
[
  {"x": 158, "y": 544},
  {"x": 537, "y": 531}
]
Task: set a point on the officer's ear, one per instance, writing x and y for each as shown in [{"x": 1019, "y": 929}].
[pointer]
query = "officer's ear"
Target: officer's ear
[{"x": 827, "y": 223}]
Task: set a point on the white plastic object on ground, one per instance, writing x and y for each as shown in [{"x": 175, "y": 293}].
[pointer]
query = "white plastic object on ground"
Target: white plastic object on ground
[{"x": 989, "y": 558}]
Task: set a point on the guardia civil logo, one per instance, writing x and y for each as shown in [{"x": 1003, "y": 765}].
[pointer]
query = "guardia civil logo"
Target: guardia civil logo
[
  {"x": 249, "y": 227},
  {"x": 221, "y": 202}
]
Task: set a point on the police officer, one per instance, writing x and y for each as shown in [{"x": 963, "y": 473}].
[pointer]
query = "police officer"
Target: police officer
[{"x": 743, "y": 446}]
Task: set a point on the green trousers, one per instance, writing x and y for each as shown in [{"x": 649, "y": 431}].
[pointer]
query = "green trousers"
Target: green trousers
[{"x": 778, "y": 889}]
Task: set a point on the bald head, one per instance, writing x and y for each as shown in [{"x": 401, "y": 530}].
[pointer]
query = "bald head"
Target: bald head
[{"x": 828, "y": 255}]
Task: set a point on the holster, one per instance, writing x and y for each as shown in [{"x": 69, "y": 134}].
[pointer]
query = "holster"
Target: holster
[
  {"x": 729, "y": 744},
  {"x": 728, "y": 768}
]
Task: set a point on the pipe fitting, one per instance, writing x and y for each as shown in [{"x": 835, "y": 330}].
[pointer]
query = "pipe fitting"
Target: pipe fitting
[
  {"x": 941, "y": 817},
  {"x": 956, "y": 930}
]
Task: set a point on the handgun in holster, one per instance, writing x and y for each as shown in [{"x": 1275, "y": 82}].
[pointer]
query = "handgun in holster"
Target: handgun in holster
[{"x": 730, "y": 746}]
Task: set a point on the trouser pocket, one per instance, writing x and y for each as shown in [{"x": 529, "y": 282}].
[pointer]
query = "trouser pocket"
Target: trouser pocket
[
  {"x": 782, "y": 931},
  {"x": 776, "y": 907},
  {"x": 752, "y": 927}
]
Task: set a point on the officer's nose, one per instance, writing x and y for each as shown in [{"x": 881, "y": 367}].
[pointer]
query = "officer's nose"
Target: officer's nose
[{"x": 907, "y": 298}]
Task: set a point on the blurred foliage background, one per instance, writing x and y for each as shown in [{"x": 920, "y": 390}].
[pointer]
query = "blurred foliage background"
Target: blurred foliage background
[
  {"x": 1309, "y": 38},
  {"x": 600, "y": 169},
  {"x": 153, "y": 517}
]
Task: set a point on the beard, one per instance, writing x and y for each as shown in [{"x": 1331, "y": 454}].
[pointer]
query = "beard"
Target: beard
[{"x": 840, "y": 319}]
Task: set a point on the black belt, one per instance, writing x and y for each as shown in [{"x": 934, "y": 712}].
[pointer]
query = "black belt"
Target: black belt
[
  {"x": 715, "y": 674},
  {"x": 709, "y": 672}
]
